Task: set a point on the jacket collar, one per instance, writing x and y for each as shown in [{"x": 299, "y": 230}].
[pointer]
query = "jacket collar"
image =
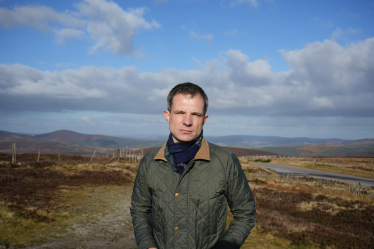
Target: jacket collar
[{"x": 202, "y": 153}]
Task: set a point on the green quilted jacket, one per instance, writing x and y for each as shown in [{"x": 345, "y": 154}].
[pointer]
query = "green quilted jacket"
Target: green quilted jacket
[{"x": 189, "y": 211}]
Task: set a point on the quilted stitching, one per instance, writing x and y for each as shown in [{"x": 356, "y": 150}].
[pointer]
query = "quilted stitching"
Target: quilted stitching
[{"x": 200, "y": 210}]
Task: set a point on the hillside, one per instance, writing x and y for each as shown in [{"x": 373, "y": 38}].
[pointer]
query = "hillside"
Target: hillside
[
  {"x": 356, "y": 148},
  {"x": 10, "y": 135},
  {"x": 30, "y": 146},
  {"x": 237, "y": 151},
  {"x": 266, "y": 141},
  {"x": 69, "y": 142}
]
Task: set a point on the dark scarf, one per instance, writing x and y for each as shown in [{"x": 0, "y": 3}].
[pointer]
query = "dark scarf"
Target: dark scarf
[{"x": 179, "y": 154}]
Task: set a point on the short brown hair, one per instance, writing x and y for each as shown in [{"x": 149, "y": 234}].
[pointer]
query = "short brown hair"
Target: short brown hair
[{"x": 187, "y": 88}]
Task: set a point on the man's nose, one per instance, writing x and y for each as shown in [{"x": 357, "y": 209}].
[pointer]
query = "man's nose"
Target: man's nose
[{"x": 187, "y": 120}]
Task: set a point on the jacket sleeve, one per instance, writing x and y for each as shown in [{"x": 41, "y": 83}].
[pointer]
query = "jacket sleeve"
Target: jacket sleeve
[
  {"x": 242, "y": 204},
  {"x": 141, "y": 210}
]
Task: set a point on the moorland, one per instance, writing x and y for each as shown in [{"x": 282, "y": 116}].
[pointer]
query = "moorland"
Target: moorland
[{"x": 77, "y": 204}]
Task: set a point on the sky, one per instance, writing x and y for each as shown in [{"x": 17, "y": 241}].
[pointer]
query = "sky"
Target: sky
[{"x": 269, "y": 67}]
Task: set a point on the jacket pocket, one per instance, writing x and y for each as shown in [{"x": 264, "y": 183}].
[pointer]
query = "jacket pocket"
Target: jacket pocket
[{"x": 208, "y": 221}]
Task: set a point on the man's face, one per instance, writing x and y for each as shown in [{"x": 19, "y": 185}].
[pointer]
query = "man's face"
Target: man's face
[{"x": 186, "y": 117}]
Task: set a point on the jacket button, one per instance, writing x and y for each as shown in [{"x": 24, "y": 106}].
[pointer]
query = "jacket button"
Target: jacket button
[
  {"x": 176, "y": 228},
  {"x": 177, "y": 195}
]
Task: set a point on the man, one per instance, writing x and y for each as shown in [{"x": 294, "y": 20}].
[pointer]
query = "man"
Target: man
[{"x": 182, "y": 190}]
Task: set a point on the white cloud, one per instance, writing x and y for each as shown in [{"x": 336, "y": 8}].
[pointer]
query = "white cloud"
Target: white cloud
[
  {"x": 106, "y": 23},
  {"x": 325, "y": 79},
  {"x": 40, "y": 17},
  {"x": 236, "y": 56},
  {"x": 32, "y": 82},
  {"x": 112, "y": 27},
  {"x": 195, "y": 36},
  {"x": 252, "y": 3},
  {"x": 319, "y": 102},
  {"x": 85, "y": 119},
  {"x": 338, "y": 33},
  {"x": 65, "y": 35}
]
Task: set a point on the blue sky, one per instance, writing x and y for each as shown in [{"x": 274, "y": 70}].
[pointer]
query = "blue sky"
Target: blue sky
[{"x": 284, "y": 68}]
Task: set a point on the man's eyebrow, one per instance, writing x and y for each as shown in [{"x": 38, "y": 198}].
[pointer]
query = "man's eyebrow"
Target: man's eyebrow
[
  {"x": 194, "y": 113},
  {"x": 197, "y": 113},
  {"x": 178, "y": 111}
]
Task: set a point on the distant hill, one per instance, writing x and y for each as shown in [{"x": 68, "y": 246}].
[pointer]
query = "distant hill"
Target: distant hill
[
  {"x": 10, "y": 135},
  {"x": 237, "y": 151},
  {"x": 266, "y": 141},
  {"x": 248, "y": 141},
  {"x": 355, "y": 148},
  {"x": 74, "y": 138},
  {"x": 67, "y": 142},
  {"x": 68, "y": 137},
  {"x": 70, "y": 142}
]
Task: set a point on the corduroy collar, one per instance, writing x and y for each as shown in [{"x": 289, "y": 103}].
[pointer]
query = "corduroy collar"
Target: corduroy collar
[{"x": 203, "y": 152}]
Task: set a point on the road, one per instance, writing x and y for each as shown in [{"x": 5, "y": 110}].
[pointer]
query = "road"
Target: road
[{"x": 295, "y": 171}]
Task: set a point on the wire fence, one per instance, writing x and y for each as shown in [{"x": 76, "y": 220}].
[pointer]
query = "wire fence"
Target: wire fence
[{"x": 121, "y": 155}]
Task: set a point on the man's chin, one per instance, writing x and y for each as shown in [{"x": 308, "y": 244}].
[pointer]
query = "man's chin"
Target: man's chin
[{"x": 184, "y": 138}]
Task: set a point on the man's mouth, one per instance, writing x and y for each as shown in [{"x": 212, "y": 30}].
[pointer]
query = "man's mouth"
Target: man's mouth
[{"x": 186, "y": 131}]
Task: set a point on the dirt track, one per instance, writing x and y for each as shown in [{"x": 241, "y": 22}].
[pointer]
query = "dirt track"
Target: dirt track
[{"x": 89, "y": 228}]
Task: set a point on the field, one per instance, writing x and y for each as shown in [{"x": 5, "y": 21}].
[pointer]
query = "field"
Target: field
[
  {"x": 75, "y": 204},
  {"x": 361, "y": 166},
  {"x": 356, "y": 148}
]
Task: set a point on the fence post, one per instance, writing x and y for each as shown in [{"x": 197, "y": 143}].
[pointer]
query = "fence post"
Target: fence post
[
  {"x": 38, "y": 155},
  {"x": 357, "y": 189},
  {"x": 92, "y": 156},
  {"x": 288, "y": 180},
  {"x": 109, "y": 160},
  {"x": 118, "y": 155},
  {"x": 14, "y": 153},
  {"x": 58, "y": 158}
]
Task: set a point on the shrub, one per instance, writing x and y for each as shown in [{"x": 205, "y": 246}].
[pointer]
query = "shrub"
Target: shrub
[{"x": 263, "y": 160}]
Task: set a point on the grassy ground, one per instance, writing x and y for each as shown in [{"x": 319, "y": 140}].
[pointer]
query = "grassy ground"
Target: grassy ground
[
  {"x": 363, "y": 167},
  {"x": 306, "y": 216},
  {"x": 38, "y": 199},
  {"x": 80, "y": 205}
]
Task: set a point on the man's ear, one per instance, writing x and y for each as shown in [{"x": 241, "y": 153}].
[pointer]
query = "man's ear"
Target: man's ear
[
  {"x": 167, "y": 115},
  {"x": 205, "y": 119}
]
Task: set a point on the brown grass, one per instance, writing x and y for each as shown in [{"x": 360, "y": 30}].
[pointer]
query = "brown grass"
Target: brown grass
[
  {"x": 309, "y": 216},
  {"x": 351, "y": 166},
  {"x": 36, "y": 199},
  {"x": 30, "y": 194}
]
